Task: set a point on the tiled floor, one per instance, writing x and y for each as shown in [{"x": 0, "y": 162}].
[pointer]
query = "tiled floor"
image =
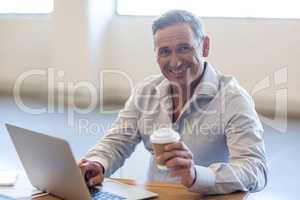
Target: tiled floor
[{"x": 282, "y": 148}]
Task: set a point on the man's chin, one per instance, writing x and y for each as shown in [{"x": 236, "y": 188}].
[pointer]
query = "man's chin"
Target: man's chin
[{"x": 179, "y": 80}]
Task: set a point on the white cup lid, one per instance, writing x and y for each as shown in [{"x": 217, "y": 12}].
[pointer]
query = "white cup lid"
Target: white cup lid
[{"x": 164, "y": 135}]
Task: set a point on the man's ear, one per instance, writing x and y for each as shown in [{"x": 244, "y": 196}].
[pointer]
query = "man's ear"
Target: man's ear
[{"x": 205, "y": 46}]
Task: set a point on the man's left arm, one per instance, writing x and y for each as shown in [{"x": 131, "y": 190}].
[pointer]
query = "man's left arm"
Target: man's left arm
[{"x": 247, "y": 167}]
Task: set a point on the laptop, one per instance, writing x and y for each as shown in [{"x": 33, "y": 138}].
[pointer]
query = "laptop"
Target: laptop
[{"x": 51, "y": 167}]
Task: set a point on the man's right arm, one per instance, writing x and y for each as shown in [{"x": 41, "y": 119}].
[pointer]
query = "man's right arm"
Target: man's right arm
[{"x": 119, "y": 142}]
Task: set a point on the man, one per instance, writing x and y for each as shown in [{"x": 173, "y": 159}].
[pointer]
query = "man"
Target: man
[{"x": 221, "y": 148}]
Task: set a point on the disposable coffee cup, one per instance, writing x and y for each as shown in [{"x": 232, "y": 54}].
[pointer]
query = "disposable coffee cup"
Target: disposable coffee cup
[{"x": 159, "y": 139}]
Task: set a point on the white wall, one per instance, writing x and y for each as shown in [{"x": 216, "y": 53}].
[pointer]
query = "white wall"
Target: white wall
[
  {"x": 83, "y": 37},
  {"x": 71, "y": 39},
  {"x": 79, "y": 40},
  {"x": 249, "y": 49},
  {"x": 24, "y": 45}
]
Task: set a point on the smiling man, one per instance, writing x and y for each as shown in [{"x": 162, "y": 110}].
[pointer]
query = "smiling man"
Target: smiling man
[{"x": 221, "y": 148}]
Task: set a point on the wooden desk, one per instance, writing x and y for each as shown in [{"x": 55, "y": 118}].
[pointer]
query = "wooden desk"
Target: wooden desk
[{"x": 171, "y": 192}]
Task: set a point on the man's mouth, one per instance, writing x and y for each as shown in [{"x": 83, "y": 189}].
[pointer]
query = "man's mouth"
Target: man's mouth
[{"x": 179, "y": 71}]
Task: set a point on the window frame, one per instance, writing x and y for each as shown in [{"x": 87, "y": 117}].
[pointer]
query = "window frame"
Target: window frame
[
  {"x": 249, "y": 16},
  {"x": 15, "y": 11}
]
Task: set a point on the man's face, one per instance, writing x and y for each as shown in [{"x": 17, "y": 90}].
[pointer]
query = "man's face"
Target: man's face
[{"x": 179, "y": 54}]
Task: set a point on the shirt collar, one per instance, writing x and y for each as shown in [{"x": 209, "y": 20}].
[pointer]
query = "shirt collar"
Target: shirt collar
[{"x": 209, "y": 83}]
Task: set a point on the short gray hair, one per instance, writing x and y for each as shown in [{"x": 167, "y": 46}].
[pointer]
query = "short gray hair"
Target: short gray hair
[{"x": 179, "y": 16}]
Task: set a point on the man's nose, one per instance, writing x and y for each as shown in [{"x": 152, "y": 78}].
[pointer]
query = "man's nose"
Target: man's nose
[{"x": 174, "y": 60}]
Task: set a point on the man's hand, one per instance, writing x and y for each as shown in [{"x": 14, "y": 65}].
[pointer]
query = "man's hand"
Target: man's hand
[
  {"x": 179, "y": 159},
  {"x": 93, "y": 172}
]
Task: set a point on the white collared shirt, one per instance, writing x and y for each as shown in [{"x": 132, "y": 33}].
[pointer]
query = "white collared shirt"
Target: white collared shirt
[{"x": 218, "y": 124}]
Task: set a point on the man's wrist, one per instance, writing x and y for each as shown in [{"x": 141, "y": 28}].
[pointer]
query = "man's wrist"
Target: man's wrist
[
  {"x": 100, "y": 165},
  {"x": 205, "y": 179},
  {"x": 194, "y": 177},
  {"x": 102, "y": 162}
]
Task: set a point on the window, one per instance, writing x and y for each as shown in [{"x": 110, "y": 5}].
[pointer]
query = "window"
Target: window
[
  {"x": 213, "y": 8},
  {"x": 26, "y": 6}
]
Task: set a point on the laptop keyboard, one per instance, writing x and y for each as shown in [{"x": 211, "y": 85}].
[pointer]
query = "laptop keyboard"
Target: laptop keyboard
[{"x": 105, "y": 196}]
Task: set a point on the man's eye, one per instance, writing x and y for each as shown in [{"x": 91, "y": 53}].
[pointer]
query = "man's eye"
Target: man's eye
[
  {"x": 184, "y": 49},
  {"x": 164, "y": 52}
]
